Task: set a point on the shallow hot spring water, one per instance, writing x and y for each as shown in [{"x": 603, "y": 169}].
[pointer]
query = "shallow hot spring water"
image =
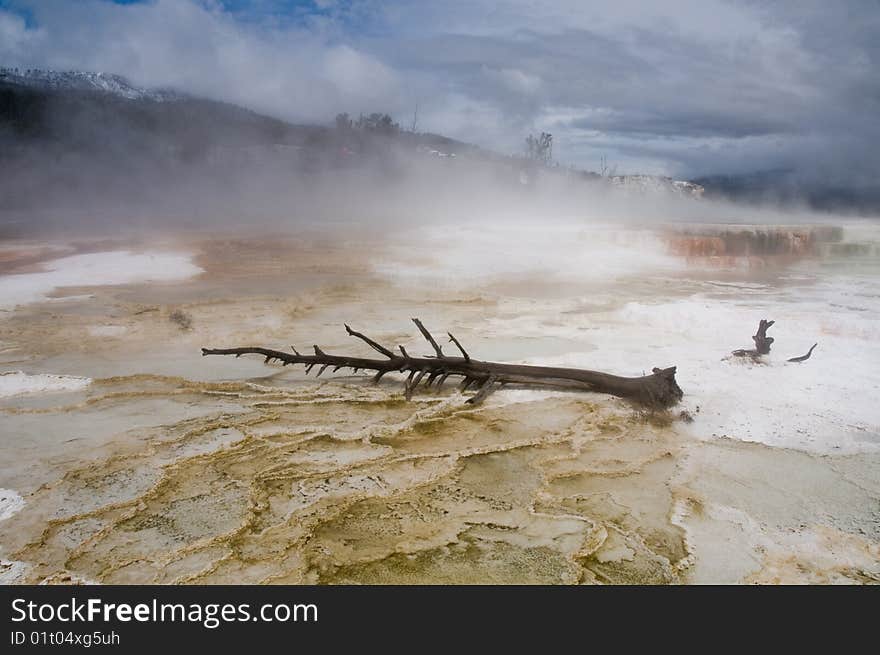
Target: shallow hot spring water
[{"x": 128, "y": 458}]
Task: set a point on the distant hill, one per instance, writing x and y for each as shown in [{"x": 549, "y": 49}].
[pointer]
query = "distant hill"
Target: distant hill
[
  {"x": 786, "y": 187},
  {"x": 95, "y": 109},
  {"x": 103, "y": 113},
  {"x": 76, "y": 145}
]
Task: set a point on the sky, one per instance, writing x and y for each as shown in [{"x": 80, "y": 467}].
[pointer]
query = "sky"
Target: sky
[{"x": 683, "y": 88}]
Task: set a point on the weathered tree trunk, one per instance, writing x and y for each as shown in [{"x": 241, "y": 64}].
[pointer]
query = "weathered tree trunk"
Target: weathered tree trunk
[
  {"x": 656, "y": 390},
  {"x": 762, "y": 341}
]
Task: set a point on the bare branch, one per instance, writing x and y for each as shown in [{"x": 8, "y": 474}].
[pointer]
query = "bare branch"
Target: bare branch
[
  {"x": 463, "y": 351},
  {"x": 481, "y": 395},
  {"x": 429, "y": 337},
  {"x": 375, "y": 346},
  {"x": 418, "y": 378},
  {"x": 804, "y": 358},
  {"x": 409, "y": 386}
]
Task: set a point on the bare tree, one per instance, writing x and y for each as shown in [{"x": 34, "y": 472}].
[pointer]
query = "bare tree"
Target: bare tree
[
  {"x": 379, "y": 123},
  {"x": 540, "y": 148},
  {"x": 415, "y": 120}
]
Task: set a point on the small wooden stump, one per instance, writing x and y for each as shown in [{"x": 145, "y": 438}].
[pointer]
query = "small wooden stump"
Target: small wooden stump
[{"x": 762, "y": 341}]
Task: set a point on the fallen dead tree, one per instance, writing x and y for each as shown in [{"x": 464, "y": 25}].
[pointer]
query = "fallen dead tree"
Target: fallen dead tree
[
  {"x": 659, "y": 389},
  {"x": 763, "y": 343}
]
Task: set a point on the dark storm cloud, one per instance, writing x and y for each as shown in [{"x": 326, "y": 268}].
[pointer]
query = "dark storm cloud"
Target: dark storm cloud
[
  {"x": 698, "y": 124},
  {"x": 687, "y": 88}
]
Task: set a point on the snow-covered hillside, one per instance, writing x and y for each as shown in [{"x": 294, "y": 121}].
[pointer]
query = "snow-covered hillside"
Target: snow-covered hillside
[{"x": 83, "y": 81}]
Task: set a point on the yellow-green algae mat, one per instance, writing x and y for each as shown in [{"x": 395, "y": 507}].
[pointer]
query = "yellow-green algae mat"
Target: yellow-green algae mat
[{"x": 345, "y": 483}]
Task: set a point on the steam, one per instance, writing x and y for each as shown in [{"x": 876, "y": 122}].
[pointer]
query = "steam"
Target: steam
[
  {"x": 141, "y": 184},
  {"x": 491, "y": 83}
]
